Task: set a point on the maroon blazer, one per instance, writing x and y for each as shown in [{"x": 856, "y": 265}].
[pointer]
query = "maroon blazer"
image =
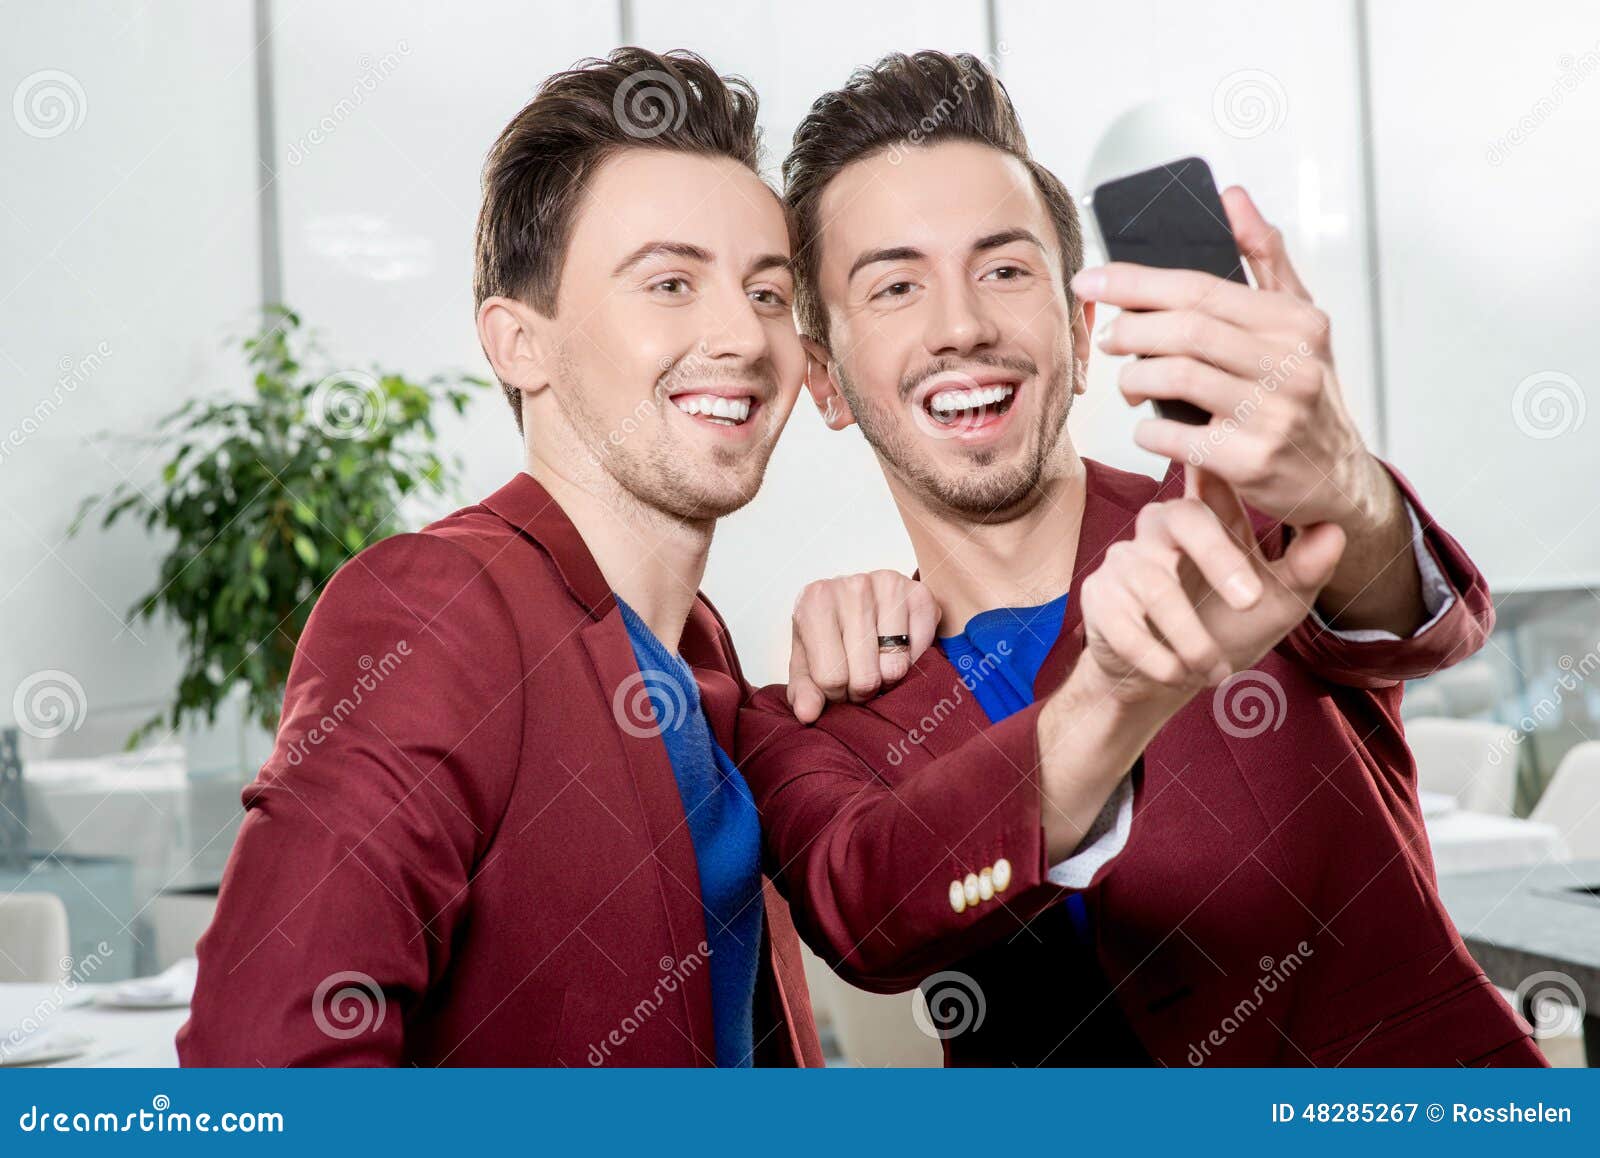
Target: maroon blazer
[
  {"x": 458, "y": 852},
  {"x": 1275, "y": 903}
]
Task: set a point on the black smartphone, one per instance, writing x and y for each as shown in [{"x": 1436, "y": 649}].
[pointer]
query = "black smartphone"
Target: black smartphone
[{"x": 1170, "y": 217}]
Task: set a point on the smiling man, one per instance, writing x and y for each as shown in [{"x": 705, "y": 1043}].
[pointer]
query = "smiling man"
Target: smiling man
[
  {"x": 525, "y": 843},
  {"x": 1081, "y": 859}
]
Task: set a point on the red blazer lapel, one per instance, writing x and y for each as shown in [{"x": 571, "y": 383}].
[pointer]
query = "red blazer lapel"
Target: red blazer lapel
[{"x": 650, "y": 771}]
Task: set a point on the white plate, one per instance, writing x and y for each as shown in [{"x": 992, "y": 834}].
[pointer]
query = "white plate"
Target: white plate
[
  {"x": 45, "y": 1048},
  {"x": 113, "y": 999}
]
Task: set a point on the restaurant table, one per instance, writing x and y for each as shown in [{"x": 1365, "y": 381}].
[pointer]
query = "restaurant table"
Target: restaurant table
[
  {"x": 1465, "y": 841},
  {"x": 1535, "y": 930},
  {"x": 122, "y": 1037}
]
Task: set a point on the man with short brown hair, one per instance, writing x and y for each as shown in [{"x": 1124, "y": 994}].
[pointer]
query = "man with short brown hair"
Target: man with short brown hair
[
  {"x": 1157, "y": 752},
  {"x": 526, "y": 844}
]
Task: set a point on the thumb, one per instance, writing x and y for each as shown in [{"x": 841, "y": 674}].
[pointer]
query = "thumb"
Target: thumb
[
  {"x": 1218, "y": 494},
  {"x": 1311, "y": 559},
  {"x": 1262, "y": 243}
]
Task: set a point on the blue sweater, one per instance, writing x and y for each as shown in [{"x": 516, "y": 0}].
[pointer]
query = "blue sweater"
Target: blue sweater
[{"x": 726, "y": 832}]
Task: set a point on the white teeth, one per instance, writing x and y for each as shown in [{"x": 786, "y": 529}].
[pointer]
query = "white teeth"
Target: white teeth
[
  {"x": 734, "y": 410},
  {"x": 947, "y": 401}
]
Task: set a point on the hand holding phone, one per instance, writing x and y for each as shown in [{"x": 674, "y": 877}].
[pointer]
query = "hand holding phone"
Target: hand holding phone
[{"x": 1169, "y": 217}]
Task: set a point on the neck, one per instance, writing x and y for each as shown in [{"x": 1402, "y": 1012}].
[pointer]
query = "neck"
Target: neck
[
  {"x": 652, "y": 560},
  {"x": 1024, "y": 560}
]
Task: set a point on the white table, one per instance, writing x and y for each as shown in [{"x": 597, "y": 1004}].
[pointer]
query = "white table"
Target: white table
[
  {"x": 1477, "y": 841},
  {"x": 135, "y": 1038}
]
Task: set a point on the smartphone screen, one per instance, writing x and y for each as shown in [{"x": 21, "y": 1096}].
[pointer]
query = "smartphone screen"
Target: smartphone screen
[{"x": 1170, "y": 217}]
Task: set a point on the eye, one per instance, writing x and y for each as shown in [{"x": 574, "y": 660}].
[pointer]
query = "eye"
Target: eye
[
  {"x": 897, "y": 289},
  {"x": 671, "y": 286},
  {"x": 769, "y": 297},
  {"x": 1006, "y": 273}
]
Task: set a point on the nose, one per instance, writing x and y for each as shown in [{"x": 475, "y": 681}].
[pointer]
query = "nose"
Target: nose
[
  {"x": 958, "y": 322},
  {"x": 733, "y": 328}
]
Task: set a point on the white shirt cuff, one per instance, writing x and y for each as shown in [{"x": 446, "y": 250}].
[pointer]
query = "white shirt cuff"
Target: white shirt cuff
[
  {"x": 1105, "y": 838},
  {"x": 1437, "y": 596}
]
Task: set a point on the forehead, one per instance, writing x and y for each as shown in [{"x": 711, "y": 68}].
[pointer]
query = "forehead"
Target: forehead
[
  {"x": 642, "y": 194},
  {"x": 936, "y": 198}
]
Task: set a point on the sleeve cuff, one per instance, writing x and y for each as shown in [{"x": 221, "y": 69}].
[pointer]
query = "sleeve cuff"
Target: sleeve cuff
[
  {"x": 1437, "y": 595},
  {"x": 1105, "y": 838}
]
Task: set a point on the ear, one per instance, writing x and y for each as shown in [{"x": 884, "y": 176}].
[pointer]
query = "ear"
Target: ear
[
  {"x": 824, "y": 387},
  {"x": 514, "y": 339},
  {"x": 1082, "y": 327}
]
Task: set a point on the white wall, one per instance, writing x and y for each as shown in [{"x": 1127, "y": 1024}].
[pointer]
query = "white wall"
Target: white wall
[
  {"x": 1266, "y": 92},
  {"x": 138, "y": 228},
  {"x": 1489, "y": 233},
  {"x": 128, "y": 252}
]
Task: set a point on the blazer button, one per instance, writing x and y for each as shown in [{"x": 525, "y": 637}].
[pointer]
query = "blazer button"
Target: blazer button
[
  {"x": 1002, "y": 874},
  {"x": 986, "y": 884},
  {"x": 970, "y": 888},
  {"x": 958, "y": 897}
]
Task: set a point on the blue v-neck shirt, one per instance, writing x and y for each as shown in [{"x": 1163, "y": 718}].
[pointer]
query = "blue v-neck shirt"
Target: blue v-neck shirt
[{"x": 726, "y": 831}]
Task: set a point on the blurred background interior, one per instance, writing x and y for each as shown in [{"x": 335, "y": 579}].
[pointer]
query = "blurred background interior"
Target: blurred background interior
[{"x": 171, "y": 168}]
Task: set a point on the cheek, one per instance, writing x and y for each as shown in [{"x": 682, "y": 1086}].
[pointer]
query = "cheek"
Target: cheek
[
  {"x": 626, "y": 349},
  {"x": 1039, "y": 325}
]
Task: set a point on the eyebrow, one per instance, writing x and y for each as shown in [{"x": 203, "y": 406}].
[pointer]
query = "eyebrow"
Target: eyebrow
[
  {"x": 911, "y": 253},
  {"x": 1006, "y": 237},
  {"x": 892, "y": 253},
  {"x": 688, "y": 252}
]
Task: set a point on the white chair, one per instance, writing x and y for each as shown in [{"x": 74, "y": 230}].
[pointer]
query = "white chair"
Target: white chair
[
  {"x": 1471, "y": 760},
  {"x": 1571, "y": 801},
  {"x": 33, "y": 938}
]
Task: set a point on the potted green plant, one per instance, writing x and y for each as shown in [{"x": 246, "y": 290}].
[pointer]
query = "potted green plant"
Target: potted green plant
[{"x": 265, "y": 496}]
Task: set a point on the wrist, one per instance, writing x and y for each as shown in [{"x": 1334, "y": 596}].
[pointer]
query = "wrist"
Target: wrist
[
  {"x": 1376, "y": 504},
  {"x": 1090, "y": 689}
]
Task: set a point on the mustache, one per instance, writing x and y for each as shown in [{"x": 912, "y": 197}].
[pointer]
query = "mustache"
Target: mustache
[
  {"x": 1019, "y": 364},
  {"x": 688, "y": 372}
]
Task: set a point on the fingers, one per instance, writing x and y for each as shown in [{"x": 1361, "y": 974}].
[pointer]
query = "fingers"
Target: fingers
[
  {"x": 858, "y": 621},
  {"x": 1187, "y": 332},
  {"x": 1223, "y": 501},
  {"x": 805, "y": 697},
  {"x": 1137, "y": 606},
  {"x": 1167, "y": 607},
  {"x": 1262, "y": 245},
  {"x": 819, "y": 640},
  {"x": 1177, "y": 376},
  {"x": 890, "y": 592},
  {"x": 1142, "y": 287},
  {"x": 837, "y": 622},
  {"x": 1223, "y": 560},
  {"x": 1310, "y": 561}
]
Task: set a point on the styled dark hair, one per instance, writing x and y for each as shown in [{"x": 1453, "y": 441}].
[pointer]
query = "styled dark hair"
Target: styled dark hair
[
  {"x": 535, "y": 175},
  {"x": 899, "y": 103}
]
